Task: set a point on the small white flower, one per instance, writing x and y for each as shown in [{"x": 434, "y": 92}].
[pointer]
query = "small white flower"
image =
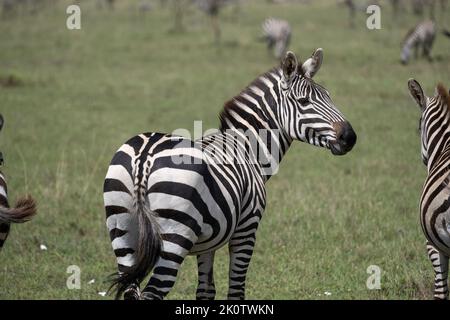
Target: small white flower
[
  {"x": 102, "y": 293},
  {"x": 43, "y": 247},
  {"x": 91, "y": 281},
  {"x": 327, "y": 293}
]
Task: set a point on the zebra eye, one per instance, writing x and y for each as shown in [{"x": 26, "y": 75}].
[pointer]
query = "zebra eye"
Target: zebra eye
[{"x": 303, "y": 101}]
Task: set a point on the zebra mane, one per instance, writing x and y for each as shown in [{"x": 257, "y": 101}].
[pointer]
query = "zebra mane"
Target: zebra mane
[
  {"x": 442, "y": 91},
  {"x": 232, "y": 104}
]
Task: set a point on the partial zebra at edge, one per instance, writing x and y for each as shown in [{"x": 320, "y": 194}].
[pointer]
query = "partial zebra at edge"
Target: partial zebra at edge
[{"x": 435, "y": 199}]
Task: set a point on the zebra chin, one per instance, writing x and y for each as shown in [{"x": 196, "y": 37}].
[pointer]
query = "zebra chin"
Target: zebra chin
[{"x": 337, "y": 149}]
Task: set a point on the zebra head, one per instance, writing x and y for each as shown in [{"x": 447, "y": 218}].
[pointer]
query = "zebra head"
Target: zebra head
[
  {"x": 309, "y": 114},
  {"x": 434, "y": 120}
]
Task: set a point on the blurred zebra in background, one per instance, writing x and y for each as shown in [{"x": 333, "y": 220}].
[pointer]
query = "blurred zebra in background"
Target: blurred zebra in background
[
  {"x": 106, "y": 3},
  {"x": 167, "y": 196},
  {"x": 28, "y": 6},
  {"x": 419, "y": 7},
  {"x": 24, "y": 210},
  {"x": 277, "y": 34},
  {"x": 212, "y": 9},
  {"x": 350, "y": 4},
  {"x": 421, "y": 36},
  {"x": 435, "y": 200}
]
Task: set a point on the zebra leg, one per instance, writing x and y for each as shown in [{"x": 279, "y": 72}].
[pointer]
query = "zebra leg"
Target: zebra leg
[
  {"x": 174, "y": 249},
  {"x": 240, "y": 250},
  {"x": 123, "y": 231},
  {"x": 122, "y": 224},
  {"x": 427, "y": 50},
  {"x": 206, "y": 289},
  {"x": 440, "y": 266}
]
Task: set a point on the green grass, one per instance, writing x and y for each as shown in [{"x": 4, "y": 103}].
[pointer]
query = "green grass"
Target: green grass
[{"x": 81, "y": 94}]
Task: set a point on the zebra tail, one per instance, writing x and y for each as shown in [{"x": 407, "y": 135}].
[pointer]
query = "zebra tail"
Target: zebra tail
[
  {"x": 148, "y": 248},
  {"x": 24, "y": 211},
  {"x": 446, "y": 32}
]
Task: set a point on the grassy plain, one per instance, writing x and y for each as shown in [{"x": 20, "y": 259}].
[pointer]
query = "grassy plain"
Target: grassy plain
[{"x": 81, "y": 94}]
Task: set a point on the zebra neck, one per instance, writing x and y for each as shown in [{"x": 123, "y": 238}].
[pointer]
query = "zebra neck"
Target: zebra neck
[
  {"x": 439, "y": 144},
  {"x": 439, "y": 151},
  {"x": 254, "y": 116}
]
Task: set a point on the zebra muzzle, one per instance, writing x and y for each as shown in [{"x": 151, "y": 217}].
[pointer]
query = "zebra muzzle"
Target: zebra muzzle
[{"x": 346, "y": 139}]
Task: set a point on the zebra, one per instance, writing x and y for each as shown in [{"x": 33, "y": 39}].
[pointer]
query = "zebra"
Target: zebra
[
  {"x": 212, "y": 8},
  {"x": 277, "y": 34},
  {"x": 24, "y": 210},
  {"x": 160, "y": 209},
  {"x": 434, "y": 203},
  {"x": 422, "y": 35}
]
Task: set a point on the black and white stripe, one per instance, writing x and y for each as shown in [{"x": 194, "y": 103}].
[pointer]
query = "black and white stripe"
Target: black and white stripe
[
  {"x": 277, "y": 34},
  {"x": 421, "y": 36},
  {"x": 435, "y": 199},
  {"x": 167, "y": 197},
  {"x": 24, "y": 210}
]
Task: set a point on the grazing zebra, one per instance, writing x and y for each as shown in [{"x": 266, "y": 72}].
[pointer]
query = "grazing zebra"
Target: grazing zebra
[
  {"x": 422, "y": 35},
  {"x": 167, "y": 197},
  {"x": 277, "y": 34},
  {"x": 24, "y": 210},
  {"x": 435, "y": 199}
]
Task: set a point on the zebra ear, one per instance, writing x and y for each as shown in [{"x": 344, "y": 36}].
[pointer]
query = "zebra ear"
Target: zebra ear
[
  {"x": 416, "y": 92},
  {"x": 313, "y": 64},
  {"x": 289, "y": 66}
]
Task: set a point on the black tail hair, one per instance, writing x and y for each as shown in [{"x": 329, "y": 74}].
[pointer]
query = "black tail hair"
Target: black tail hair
[
  {"x": 24, "y": 210},
  {"x": 148, "y": 251}
]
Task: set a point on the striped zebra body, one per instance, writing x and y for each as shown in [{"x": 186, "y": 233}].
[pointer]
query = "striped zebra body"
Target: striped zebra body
[
  {"x": 24, "y": 210},
  {"x": 277, "y": 34},
  {"x": 423, "y": 36},
  {"x": 167, "y": 197},
  {"x": 435, "y": 199}
]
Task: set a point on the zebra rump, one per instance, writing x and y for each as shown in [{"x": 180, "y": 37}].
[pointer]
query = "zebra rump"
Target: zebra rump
[{"x": 149, "y": 242}]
